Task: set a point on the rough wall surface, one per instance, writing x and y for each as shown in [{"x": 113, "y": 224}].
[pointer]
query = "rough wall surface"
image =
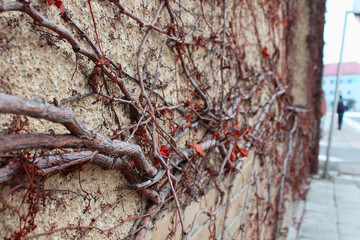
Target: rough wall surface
[{"x": 157, "y": 119}]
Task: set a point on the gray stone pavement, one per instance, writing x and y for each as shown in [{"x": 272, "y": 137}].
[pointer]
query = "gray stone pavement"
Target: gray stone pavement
[
  {"x": 332, "y": 206},
  {"x": 332, "y": 210}
]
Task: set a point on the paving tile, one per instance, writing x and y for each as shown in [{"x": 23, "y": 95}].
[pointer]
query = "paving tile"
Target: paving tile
[
  {"x": 320, "y": 217},
  {"x": 348, "y": 193},
  {"x": 324, "y": 191},
  {"x": 321, "y": 192},
  {"x": 312, "y": 233},
  {"x": 332, "y": 211},
  {"x": 305, "y": 238},
  {"x": 349, "y": 203},
  {"x": 347, "y": 187},
  {"x": 319, "y": 225},
  {"x": 349, "y": 216},
  {"x": 316, "y": 207},
  {"x": 349, "y": 236},
  {"x": 349, "y": 229}
]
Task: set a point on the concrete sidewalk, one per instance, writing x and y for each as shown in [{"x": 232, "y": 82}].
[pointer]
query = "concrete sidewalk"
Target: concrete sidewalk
[
  {"x": 332, "y": 210},
  {"x": 332, "y": 207}
]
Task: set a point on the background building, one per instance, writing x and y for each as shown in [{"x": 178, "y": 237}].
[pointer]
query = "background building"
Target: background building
[{"x": 349, "y": 86}]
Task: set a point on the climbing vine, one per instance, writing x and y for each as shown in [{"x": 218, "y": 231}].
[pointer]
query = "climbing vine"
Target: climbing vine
[{"x": 188, "y": 93}]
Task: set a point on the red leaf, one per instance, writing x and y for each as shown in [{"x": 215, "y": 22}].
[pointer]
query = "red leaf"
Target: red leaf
[
  {"x": 59, "y": 4},
  {"x": 132, "y": 163},
  {"x": 197, "y": 105},
  {"x": 164, "y": 150},
  {"x": 236, "y": 125},
  {"x": 237, "y": 134},
  {"x": 198, "y": 148},
  {"x": 232, "y": 156},
  {"x": 216, "y": 134},
  {"x": 243, "y": 152},
  {"x": 265, "y": 52},
  {"x": 265, "y": 2}
]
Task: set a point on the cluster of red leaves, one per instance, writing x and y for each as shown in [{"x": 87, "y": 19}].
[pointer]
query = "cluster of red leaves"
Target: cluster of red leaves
[
  {"x": 236, "y": 132},
  {"x": 238, "y": 150},
  {"x": 58, "y": 3},
  {"x": 243, "y": 152}
]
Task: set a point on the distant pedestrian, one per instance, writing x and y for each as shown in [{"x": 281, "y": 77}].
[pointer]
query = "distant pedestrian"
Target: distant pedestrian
[{"x": 340, "y": 111}]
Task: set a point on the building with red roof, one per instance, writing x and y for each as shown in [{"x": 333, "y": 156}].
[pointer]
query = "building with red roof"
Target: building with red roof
[{"x": 349, "y": 85}]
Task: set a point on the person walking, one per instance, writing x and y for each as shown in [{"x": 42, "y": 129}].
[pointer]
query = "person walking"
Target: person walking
[{"x": 340, "y": 111}]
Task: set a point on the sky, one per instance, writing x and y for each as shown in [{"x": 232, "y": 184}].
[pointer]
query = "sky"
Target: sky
[{"x": 334, "y": 23}]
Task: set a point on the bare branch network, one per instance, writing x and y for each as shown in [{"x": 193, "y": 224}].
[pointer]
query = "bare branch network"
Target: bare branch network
[{"x": 204, "y": 92}]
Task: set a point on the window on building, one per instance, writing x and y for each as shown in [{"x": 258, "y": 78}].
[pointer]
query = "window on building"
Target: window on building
[
  {"x": 349, "y": 92},
  {"x": 349, "y": 80},
  {"x": 331, "y": 81}
]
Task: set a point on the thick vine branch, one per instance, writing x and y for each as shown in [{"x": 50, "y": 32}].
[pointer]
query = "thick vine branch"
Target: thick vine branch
[
  {"x": 27, "y": 8},
  {"x": 85, "y": 137}
]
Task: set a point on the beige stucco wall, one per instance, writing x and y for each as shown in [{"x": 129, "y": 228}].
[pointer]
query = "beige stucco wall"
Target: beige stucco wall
[{"x": 301, "y": 59}]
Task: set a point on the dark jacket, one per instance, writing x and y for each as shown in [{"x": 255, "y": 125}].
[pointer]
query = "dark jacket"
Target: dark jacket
[{"x": 341, "y": 107}]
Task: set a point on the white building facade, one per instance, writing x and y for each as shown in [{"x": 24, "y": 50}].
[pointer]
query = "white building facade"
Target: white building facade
[{"x": 349, "y": 87}]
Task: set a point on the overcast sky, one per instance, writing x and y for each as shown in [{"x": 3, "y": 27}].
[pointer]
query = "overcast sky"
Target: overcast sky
[{"x": 335, "y": 16}]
